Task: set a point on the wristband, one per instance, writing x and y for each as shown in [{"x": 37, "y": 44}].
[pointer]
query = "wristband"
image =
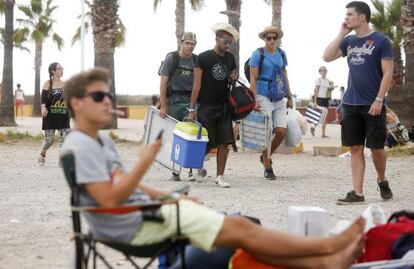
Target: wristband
[
  {"x": 191, "y": 110},
  {"x": 379, "y": 99}
]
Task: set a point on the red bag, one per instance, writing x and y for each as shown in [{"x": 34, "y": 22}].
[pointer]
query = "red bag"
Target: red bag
[
  {"x": 243, "y": 260},
  {"x": 380, "y": 239}
]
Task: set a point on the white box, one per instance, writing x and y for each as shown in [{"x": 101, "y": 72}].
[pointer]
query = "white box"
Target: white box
[{"x": 308, "y": 220}]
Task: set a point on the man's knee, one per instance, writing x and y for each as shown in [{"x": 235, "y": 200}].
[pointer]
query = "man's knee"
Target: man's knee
[
  {"x": 356, "y": 149},
  {"x": 280, "y": 132}
]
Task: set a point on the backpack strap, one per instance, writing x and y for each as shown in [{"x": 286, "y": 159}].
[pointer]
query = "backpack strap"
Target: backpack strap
[
  {"x": 176, "y": 59},
  {"x": 261, "y": 59},
  {"x": 283, "y": 54}
]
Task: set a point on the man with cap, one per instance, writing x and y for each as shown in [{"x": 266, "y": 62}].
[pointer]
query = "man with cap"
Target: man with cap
[
  {"x": 267, "y": 59},
  {"x": 176, "y": 84},
  {"x": 212, "y": 76}
]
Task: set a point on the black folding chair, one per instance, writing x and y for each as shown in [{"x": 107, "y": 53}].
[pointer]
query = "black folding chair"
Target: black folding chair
[{"x": 83, "y": 240}]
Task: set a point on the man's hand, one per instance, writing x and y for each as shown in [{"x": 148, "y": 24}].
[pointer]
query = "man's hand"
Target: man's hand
[
  {"x": 191, "y": 116},
  {"x": 375, "y": 108},
  {"x": 163, "y": 110},
  {"x": 43, "y": 111},
  {"x": 257, "y": 106},
  {"x": 289, "y": 103},
  {"x": 344, "y": 30}
]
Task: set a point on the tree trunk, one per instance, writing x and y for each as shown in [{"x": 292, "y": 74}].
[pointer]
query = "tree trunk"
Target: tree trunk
[
  {"x": 233, "y": 14},
  {"x": 407, "y": 116},
  {"x": 38, "y": 66},
  {"x": 105, "y": 31},
  {"x": 7, "y": 102},
  {"x": 395, "y": 96},
  {"x": 179, "y": 21},
  {"x": 277, "y": 15}
]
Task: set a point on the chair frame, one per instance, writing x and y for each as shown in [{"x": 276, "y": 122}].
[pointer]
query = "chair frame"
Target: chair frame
[{"x": 81, "y": 240}]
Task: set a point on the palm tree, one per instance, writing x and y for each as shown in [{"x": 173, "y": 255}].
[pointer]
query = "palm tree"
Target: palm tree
[
  {"x": 233, "y": 13},
  {"x": 180, "y": 15},
  {"x": 105, "y": 25},
  {"x": 39, "y": 23},
  {"x": 386, "y": 19},
  {"x": 7, "y": 106},
  {"x": 407, "y": 19}
]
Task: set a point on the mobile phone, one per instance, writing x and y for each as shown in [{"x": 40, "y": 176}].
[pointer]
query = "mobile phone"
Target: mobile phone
[{"x": 159, "y": 136}]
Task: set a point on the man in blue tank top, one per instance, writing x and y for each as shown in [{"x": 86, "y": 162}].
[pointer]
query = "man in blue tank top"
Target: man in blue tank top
[{"x": 370, "y": 60}]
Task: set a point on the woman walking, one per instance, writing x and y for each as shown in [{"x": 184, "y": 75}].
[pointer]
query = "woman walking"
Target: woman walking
[{"x": 54, "y": 111}]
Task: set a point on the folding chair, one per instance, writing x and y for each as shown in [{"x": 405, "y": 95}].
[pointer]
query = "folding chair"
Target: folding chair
[{"x": 87, "y": 240}]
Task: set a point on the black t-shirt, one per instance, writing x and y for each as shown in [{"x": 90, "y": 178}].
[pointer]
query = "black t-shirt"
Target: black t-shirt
[
  {"x": 57, "y": 113},
  {"x": 214, "y": 82}
]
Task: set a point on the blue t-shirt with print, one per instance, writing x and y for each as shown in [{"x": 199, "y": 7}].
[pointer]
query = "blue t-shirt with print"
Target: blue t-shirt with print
[
  {"x": 364, "y": 57},
  {"x": 267, "y": 68}
]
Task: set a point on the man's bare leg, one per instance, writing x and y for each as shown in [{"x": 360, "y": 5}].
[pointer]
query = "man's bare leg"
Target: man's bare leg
[
  {"x": 358, "y": 168},
  {"x": 379, "y": 157},
  {"x": 277, "y": 139},
  {"x": 238, "y": 232},
  {"x": 222, "y": 153}
]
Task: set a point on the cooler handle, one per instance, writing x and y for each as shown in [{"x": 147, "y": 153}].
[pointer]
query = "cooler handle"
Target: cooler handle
[{"x": 200, "y": 127}]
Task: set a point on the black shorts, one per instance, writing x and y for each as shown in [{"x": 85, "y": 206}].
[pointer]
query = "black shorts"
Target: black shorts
[
  {"x": 217, "y": 120},
  {"x": 359, "y": 128},
  {"x": 322, "y": 101}
]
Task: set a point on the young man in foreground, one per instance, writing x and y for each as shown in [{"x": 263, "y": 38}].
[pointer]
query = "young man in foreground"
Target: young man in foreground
[{"x": 104, "y": 181}]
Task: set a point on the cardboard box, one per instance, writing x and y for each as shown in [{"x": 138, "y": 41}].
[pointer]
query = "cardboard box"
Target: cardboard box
[{"x": 308, "y": 220}]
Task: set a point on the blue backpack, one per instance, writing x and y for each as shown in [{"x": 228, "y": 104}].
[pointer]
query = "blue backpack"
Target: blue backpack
[{"x": 277, "y": 84}]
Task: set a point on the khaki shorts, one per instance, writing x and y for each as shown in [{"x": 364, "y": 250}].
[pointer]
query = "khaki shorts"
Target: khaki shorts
[
  {"x": 277, "y": 111},
  {"x": 199, "y": 223}
]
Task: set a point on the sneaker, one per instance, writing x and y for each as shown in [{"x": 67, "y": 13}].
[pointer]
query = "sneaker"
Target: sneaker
[
  {"x": 220, "y": 181},
  {"x": 385, "y": 191},
  {"x": 268, "y": 174},
  {"x": 312, "y": 130},
  {"x": 191, "y": 177},
  {"x": 351, "y": 199},
  {"x": 41, "y": 160},
  {"x": 202, "y": 172},
  {"x": 175, "y": 177}
]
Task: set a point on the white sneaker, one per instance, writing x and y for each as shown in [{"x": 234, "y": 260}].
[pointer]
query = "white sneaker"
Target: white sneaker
[
  {"x": 220, "y": 181},
  {"x": 41, "y": 160}
]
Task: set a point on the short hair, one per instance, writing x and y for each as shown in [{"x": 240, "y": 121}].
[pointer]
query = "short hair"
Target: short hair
[
  {"x": 222, "y": 33},
  {"x": 76, "y": 85},
  {"x": 18, "y": 85},
  {"x": 322, "y": 67},
  {"x": 361, "y": 8},
  {"x": 154, "y": 99}
]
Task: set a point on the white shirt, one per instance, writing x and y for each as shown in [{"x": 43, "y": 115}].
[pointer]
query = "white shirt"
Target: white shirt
[
  {"x": 19, "y": 95},
  {"x": 323, "y": 84}
]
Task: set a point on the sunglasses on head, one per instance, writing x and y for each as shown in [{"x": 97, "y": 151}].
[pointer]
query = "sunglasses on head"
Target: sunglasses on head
[
  {"x": 226, "y": 41},
  {"x": 268, "y": 38},
  {"x": 98, "y": 96}
]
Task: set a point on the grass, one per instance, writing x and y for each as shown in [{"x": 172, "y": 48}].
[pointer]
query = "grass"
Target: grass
[
  {"x": 17, "y": 136},
  {"x": 119, "y": 140}
]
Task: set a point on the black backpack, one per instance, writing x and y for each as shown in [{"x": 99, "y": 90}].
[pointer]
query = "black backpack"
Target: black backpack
[
  {"x": 241, "y": 101},
  {"x": 176, "y": 59},
  {"x": 261, "y": 50}
]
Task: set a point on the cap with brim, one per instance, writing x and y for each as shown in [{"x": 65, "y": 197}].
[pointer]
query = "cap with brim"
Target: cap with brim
[
  {"x": 189, "y": 36},
  {"x": 227, "y": 28},
  {"x": 271, "y": 29}
]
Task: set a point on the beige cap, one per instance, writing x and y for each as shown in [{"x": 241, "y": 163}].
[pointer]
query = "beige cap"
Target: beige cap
[{"x": 227, "y": 28}]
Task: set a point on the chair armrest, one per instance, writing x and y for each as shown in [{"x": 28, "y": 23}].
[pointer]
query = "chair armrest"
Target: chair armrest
[{"x": 122, "y": 209}]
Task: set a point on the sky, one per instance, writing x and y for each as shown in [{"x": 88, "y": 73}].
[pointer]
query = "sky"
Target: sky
[{"x": 308, "y": 26}]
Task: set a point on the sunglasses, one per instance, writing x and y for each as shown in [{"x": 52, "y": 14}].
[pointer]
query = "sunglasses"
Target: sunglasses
[
  {"x": 98, "y": 96},
  {"x": 226, "y": 41},
  {"x": 268, "y": 38}
]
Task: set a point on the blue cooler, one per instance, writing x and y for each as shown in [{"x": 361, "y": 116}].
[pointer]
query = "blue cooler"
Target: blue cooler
[{"x": 189, "y": 144}]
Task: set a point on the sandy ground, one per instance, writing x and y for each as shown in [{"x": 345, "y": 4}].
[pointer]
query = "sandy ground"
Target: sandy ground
[{"x": 35, "y": 226}]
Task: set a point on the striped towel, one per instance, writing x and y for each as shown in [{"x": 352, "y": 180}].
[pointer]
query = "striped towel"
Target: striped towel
[{"x": 315, "y": 115}]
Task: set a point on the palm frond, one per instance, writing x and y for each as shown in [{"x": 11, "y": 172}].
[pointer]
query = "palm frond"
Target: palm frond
[
  {"x": 27, "y": 11},
  {"x": 25, "y": 22},
  {"x": 23, "y": 48},
  {"x": 49, "y": 10},
  {"x": 36, "y": 6},
  {"x": 58, "y": 40},
  {"x": 76, "y": 37},
  {"x": 394, "y": 11},
  {"x": 196, "y": 4},
  {"x": 120, "y": 39},
  {"x": 379, "y": 6},
  {"x": 2, "y": 6},
  {"x": 156, "y": 3}
]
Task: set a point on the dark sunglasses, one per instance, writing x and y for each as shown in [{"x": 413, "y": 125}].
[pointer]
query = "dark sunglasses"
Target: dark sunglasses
[
  {"x": 226, "y": 41},
  {"x": 268, "y": 38},
  {"x": 98, "y": 96}
]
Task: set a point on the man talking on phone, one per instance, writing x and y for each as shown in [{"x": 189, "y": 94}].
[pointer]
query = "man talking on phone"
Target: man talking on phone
[{"x": 370, "y": 61}]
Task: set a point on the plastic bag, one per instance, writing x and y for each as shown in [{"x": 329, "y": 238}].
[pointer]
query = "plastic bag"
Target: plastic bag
[{"x": 293, "y": 136}]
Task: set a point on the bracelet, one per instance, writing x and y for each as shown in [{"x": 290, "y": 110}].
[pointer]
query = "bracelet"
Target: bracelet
[
  {"x": 191, "y": 110},
  {"x": 379, "y": 99}
]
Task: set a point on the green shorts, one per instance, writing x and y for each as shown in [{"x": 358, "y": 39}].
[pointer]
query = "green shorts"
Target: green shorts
[
  {"x": 200, "y": 224},
  {"x": 178, "y": 111}
]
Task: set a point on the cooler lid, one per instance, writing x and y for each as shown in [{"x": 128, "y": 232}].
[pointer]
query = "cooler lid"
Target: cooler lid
[{"x": 190, "y": 128}]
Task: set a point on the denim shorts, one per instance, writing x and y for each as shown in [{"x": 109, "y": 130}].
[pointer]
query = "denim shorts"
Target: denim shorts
[{"x": 276, "y": 110}]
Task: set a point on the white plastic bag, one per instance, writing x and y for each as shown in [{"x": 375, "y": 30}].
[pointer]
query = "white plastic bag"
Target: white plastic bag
[{"x": 293, "y": 136}]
